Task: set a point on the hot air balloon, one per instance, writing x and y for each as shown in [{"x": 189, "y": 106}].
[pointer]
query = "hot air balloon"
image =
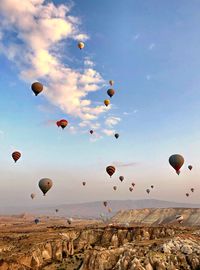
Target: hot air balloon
[
  {"x": 110, "y": 170},
  {"x": 36, "y": 221},
  {"x": 187, "y": 194},
  {"x": 111, "y": 92},
  {"x": 91, "y": 131},
  {"x": 115, "y": 188},
  {"x": 192, "y": 189},
  {"x": 111, "y": 82},
  {"x": 16, "y": 155},
  {"x": 121, "y": 178},
  {"x": 84, "y": 183},
  {"x": 58, "y": 123},
  {"x": 109, "y": 210},
  {"x": 56, "y": 210},
  {"x": 179, "y": 218},
  {"x": 63, "y": 123},
  {"x": 116, "y": 135},
  {"x": 133, "y": 184},
  {"x": 105, "y": 203},
  {"x": 69, "y": 221},
  {"x": 190, "y": 167},
  {"x": 131, "y": 189},
  {"x": 176, "y": 161},
  {"x": 45, "y": 184},
  {"x": 37, "y": 88},
  {"x": 32, "y": 195},
  {"x": 81, "y": 45},
  {"x": 106, "y": 102},
  {"x": 148, "y": 191},
  {"x": 152, "y": 186}
]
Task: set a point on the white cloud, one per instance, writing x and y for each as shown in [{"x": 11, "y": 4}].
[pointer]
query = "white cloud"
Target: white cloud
[
  {"x": 36, "y": 29},
  {"x": 88, "y": 62},
  {"x": 112, "y": 121},
  {"x": 108, "y": 132},
  {"x": 151, "y": 46}
]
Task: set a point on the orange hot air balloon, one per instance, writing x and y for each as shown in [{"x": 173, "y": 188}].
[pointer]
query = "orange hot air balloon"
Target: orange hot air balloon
[
  {"x": 111, "y": 92},
  {"x": 81, "y": 45},
  {"x": 106, "y": 102},
  {"x": 63, "y": 123},
  {"x": 37, "y": 88},
  {"x": 16, "y": 155},
  {"x": 110, "y": 170}
]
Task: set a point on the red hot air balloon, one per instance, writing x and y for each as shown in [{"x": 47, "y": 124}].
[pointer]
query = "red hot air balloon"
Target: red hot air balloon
[
  {"x": 58, "y": 123},
  {"x": 16, "y": 155},
  {"x": 110, "y": 170},
  {"x": 63, "y": 123}
]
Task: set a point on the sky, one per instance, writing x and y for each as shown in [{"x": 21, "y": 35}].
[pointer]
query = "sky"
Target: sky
[{"x": 149, "y": 48}]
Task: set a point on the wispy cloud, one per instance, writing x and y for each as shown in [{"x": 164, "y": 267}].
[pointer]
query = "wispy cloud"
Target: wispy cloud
[
  {"x": 130, "y": 113},
  {"x": 37, "y": 28},
  {"x": 108, "y": 132},
  {"x": 112, "y": 121},
  {"x": 151, "y": 46},
  {"x": 124, "y": 164}
]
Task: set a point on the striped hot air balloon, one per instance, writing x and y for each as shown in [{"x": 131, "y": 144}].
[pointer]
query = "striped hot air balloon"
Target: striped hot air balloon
[
  {"x": 110, "y": 170},
  {"x": 16, "y": 155}
]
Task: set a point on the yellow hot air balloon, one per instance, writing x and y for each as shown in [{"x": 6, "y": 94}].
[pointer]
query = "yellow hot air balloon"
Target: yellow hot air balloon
[
  {"x": 106, "y": 102},
  {"x": 81, "y": 45}
]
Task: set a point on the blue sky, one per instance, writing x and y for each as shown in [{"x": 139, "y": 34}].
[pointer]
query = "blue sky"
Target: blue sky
[{"x": 151, "y": 50}]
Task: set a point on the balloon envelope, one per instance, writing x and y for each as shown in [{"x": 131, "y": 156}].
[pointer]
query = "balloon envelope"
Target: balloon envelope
[
  {"x": 121, "y": 178},
  {"x": 190, "y": 167},
  {"x": 32, "y": 195},
  {"x": 111, "y": 92},
  {"x": 81, "y": 45},
  {"x": 111, "y": 82},
  {"x": 16, "y": 155},
  {"x": 110, "y": 170},
  {"x": 176, "y": 161},
  {"x": 37, "y": 88},
  {"x": 116, "y": 135},
  {"x": 45, "y": 184},
  {"x": 106, "y": 102}
]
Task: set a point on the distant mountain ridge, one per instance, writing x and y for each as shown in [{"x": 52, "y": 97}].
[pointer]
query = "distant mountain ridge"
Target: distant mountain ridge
[{"x": 94, "y": 209}]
